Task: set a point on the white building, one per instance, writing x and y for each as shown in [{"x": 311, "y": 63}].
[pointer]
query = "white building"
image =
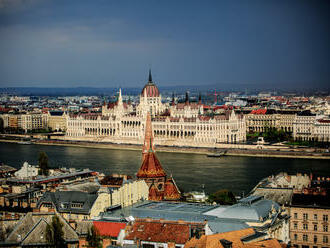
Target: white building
[
  {"x": 176, "y": 125},
  {"x": 27, "y": 171}
]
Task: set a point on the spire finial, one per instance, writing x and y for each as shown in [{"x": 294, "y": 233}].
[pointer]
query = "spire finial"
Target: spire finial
[
  {"x": 150, "y": 77},
  {"x": 187, "y": 98}
]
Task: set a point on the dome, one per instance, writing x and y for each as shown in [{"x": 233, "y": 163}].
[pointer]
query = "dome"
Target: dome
[{"x": 150, "y": 89}]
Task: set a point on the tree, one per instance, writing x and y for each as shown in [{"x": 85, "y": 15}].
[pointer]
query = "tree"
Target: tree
[
  {"x": 223, "y": 197},
  {"x": 93, "y": 238},
  {"x": 1, "y": 125},
  {"x": 43, "y": 163},
  {"x": 54, "y": 232}
]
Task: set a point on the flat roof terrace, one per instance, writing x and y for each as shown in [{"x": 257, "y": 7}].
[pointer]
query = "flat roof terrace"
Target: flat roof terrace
[
  {"x": 177, "y": 207},
  {"x": 52, "y": 178}
]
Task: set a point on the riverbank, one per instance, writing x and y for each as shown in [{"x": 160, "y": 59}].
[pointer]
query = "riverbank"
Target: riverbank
[{"x": 265, "y": 153}]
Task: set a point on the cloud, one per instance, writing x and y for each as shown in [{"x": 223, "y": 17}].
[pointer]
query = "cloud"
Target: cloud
[{"x": 4, "y": 4}]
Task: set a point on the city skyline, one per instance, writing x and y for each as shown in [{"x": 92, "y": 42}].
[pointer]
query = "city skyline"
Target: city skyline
[{"x": 113, "y": 44}]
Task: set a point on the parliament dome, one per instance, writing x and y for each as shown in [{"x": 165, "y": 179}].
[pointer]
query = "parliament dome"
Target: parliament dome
[{"x": 150, "y": 89}]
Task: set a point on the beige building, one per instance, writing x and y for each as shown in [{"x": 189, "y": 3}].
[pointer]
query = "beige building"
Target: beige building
[
  {"x": 129, "y": 193},
  {"x": 57, "y": 120},
  {"x": 303, "y": 126},
  {"x": 261, "y": 119},
  {"x": 27, "y": 122},
  {"x": 177, "y": 125},
  {"x": 322, "y": 130},
  {"x": 74, "y": 205},
  {"x": 309, "y": 222}
]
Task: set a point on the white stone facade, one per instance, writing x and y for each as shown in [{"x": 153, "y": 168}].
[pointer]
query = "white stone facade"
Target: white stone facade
[
  {"x": 177, "y": 125},
  {"x": 27, "y": 171}
]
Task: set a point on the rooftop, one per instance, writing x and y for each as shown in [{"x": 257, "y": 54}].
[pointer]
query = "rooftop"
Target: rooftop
[{"x": 310, "y": 200}]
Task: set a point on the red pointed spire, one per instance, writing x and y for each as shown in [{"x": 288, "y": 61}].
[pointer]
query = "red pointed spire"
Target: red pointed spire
[
  {"x": 148, "y": 137},
  {"x": 150, "y": 166}
]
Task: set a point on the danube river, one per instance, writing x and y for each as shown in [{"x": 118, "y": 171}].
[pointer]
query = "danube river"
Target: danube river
[{"x": 191, "y": 171}]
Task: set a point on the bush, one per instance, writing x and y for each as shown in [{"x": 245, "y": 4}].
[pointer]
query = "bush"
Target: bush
[{"x": 223, "y": 197}]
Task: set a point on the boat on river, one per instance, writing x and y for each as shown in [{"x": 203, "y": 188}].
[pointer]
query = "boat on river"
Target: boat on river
[{"x": 216, "y": 155}]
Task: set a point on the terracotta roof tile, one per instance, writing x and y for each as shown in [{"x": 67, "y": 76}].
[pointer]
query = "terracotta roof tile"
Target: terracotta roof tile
[
  {"x": 159, "y": 232},
  {"x": 213, "y": 241},
  {"x": 109, "y": 229},
  {"x": 171, "y": 191},
  {"x": 151, "y": 167}
]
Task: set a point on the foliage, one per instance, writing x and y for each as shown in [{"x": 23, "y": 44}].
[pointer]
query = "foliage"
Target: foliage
[
  {"x": 43, "y": 163},
  {"x": 93, "y": 238},
  {"x": 1, "y": 125},
  {"x": 308, "y": 143},
  {"x": 273, "y": 134},
  {"x": 54, "y": 233},
  {"x": 39, "y": 131},
  {"x": 223, "y": 197}
]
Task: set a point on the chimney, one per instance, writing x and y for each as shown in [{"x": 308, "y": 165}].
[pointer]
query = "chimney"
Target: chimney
[{"x": 226, "y": 243}]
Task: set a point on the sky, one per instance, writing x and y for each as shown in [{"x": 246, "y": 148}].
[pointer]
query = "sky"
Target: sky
[{"x": 112, "y": 43}]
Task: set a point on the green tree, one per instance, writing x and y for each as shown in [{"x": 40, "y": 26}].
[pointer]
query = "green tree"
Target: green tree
[
  {"x": 93, "y": 238},
  {"x": 223, "y": 197},
  {"x": 1, "y": 125},
  {"x": 54, "y": 232},
  {"x": 43, "y": 163}
]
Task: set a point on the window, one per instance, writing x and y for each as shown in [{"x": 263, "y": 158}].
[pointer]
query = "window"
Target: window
[
  {"x": 295, "y": 236},
  {"x": 325, "y": 217},
  {"x": 305, "y": 216},
  {"x": 325, "y": 239},
  {"x": 295, "y": 215},
  {"x": 325, "y": 228},
  {"x": 315, "y": 216},
  {"x": 305, "y": 226},
  {"x": 77, "y": 205},
  {"x": 315, "y": 227},
  {"x": 305, "y": 237},
  {"x": 295, "y": 226},
  {"x": 315, "y": 239}
]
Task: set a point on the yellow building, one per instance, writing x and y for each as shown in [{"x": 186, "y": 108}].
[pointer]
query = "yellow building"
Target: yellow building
[
  {"x": 57, "y": 120},
  {"x": 129, "y": 193}
]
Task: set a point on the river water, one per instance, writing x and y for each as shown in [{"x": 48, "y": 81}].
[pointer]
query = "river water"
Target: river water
[{"x": 191, "y": 171}]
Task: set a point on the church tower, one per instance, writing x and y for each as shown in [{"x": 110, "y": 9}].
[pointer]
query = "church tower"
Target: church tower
[{"x": 152, "y": 172}]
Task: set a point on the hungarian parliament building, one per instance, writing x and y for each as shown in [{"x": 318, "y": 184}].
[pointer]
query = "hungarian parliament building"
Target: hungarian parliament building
[{"x": 173, "y": 124}]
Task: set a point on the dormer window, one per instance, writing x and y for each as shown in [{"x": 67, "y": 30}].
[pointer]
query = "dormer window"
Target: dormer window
[{"x": 77, "y": 205}]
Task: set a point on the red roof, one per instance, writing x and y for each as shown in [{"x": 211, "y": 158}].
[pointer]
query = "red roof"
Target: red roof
[
  {"x": 151, "y": 90},
  {"x": 171, "y": 190},
  {"x": 323, "y": 121},
  {"x": 109, "y": 229},
  {"x": 159, "y": 232},
  {"x": 259, "y": 111},
  {"x": 204, "y": 118},
  {"x": 151, "y": 167},
  {"x": 155, "y": 194}
]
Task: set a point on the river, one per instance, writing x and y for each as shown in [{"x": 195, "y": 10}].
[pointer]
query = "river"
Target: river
[{"x": 191, "y": 171}]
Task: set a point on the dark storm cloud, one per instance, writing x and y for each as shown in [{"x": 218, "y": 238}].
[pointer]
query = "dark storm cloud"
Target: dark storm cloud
[{"x": 113, "y": 43}]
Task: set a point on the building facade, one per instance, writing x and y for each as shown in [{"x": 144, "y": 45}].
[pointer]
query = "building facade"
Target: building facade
[
  {"x": 181, "y": 124},
  {"x": 309, "y": 222}
]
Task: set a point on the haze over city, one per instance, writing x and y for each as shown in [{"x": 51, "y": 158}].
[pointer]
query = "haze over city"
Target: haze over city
[{"x": 241, "y": 44}]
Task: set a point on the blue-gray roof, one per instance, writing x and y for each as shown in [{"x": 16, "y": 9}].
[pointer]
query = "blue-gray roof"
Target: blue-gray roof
[
  {"x": 63, "y": 201},
  {"x": 219, "y": 218},
  {"x": 226, "y": 225},
  {"x": 250, "y": 209}
]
